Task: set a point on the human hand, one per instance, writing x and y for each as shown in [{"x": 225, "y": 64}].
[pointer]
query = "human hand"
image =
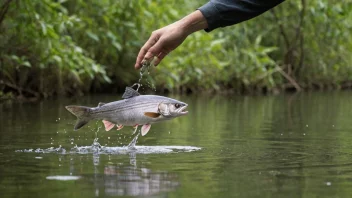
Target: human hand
[
  {"x": 164, "y": 40},
  {"x": 160, "y": 43}
]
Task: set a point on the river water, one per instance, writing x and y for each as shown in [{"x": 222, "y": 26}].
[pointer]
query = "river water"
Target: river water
[{"x": 294, "y": 145}]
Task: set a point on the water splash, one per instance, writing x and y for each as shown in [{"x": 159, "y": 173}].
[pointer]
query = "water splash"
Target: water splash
[
  {"x": 145, "y": 68},
  {"x": 96, "y": 146},
  {"x": 96, "y": 149},
  {"x": 58, "y": 150},
  {"x": 146, "y": 65},
  {"x": 132, "y": 144}
]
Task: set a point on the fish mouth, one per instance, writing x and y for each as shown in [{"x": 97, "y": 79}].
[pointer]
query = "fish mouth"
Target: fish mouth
[{"x": 182, "y": 110}]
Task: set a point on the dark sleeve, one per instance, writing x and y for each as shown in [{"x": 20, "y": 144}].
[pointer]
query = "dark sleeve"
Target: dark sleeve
[{"x": 221, "y": 13}]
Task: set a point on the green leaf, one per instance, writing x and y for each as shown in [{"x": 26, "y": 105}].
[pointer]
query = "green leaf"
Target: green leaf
[
  {"x": 92, "y": 35},
  {"x": 107, "y": 79},
  {"x": 26, "y": 63},
  {"x": 44, "y": 31},
  {"x": 117, "y": 45}
]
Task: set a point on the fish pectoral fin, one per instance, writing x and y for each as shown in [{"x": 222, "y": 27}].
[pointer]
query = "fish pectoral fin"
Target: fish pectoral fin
[
  {"x": 145, "y": 129},
  {"x": 119, "y": 127},
  {"x": 101, "y": 104},
  {"x": 152, "y": 114},
  {"x": 108, "y": 125}
]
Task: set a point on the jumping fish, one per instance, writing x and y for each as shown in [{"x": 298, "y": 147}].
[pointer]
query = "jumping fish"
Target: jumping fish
[{"x": 134, "y": 110}]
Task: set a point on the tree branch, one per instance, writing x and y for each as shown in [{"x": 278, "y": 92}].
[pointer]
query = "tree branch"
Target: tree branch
[
  {"x": 34, "y": 93},
  {"x": 290, "y": 79},
  {"x": 302, "y": 35},
  {"x": 282, "y": 29},
  {"x": 4, "y": 9}
]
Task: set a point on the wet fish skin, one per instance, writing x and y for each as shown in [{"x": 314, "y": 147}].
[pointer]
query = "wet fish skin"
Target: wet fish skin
[{"x": 137, "y": 110}]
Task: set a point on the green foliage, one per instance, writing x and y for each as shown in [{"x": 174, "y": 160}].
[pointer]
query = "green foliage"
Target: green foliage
[
  {"x": 71, "y": 47},
  {"x": 42, "y": 51}
]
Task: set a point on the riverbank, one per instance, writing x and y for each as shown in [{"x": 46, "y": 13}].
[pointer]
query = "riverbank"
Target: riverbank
[
  {"x": 15, "y": 94},
  {"x": 67, "y": 48}
]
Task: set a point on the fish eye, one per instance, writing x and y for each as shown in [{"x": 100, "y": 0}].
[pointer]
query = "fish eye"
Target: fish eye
[{"x": 177, "y": 105}]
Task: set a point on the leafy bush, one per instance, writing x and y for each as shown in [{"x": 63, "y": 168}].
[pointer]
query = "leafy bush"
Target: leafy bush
[{"x": 72, "y": 47}]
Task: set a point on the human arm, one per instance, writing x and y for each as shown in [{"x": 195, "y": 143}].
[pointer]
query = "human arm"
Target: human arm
[
  {"x": 214, "y": 14},
  {"x": 221, "y": 13}
]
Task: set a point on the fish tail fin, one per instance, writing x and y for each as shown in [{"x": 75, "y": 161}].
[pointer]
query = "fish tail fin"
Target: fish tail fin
[{"x": 82, "y": 114}]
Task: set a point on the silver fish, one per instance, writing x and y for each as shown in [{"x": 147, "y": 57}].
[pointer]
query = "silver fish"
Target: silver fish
[{"x": 134, "y": 110}]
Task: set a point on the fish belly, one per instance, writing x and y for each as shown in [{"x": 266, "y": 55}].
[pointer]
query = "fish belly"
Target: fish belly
[{"x": 131, "y": 117}]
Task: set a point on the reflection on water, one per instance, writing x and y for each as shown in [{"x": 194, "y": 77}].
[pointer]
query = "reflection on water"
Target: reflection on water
[
  {"x": 63, "y": 177},
  {"x": 132, "y": 181},
  {"x": 126, "y": 180}
]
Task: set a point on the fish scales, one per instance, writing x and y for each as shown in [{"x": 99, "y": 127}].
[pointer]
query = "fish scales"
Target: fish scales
[
  {"x": 133, "y": 110},
  {"x": 130, "y": 112}
]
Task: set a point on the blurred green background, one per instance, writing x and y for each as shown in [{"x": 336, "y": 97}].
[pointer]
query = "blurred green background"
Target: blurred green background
[{"x": 60, "y": 48}]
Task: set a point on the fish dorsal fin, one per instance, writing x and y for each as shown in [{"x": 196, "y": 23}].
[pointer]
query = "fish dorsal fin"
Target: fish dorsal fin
[
  {"x": 129, "y": 93},
  {"x": 101, "y": 104},
  {"x": 152, "y": 114}
]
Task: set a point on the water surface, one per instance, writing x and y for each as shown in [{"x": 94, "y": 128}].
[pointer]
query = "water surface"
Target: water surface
[{"x": 228, "y": 146}]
